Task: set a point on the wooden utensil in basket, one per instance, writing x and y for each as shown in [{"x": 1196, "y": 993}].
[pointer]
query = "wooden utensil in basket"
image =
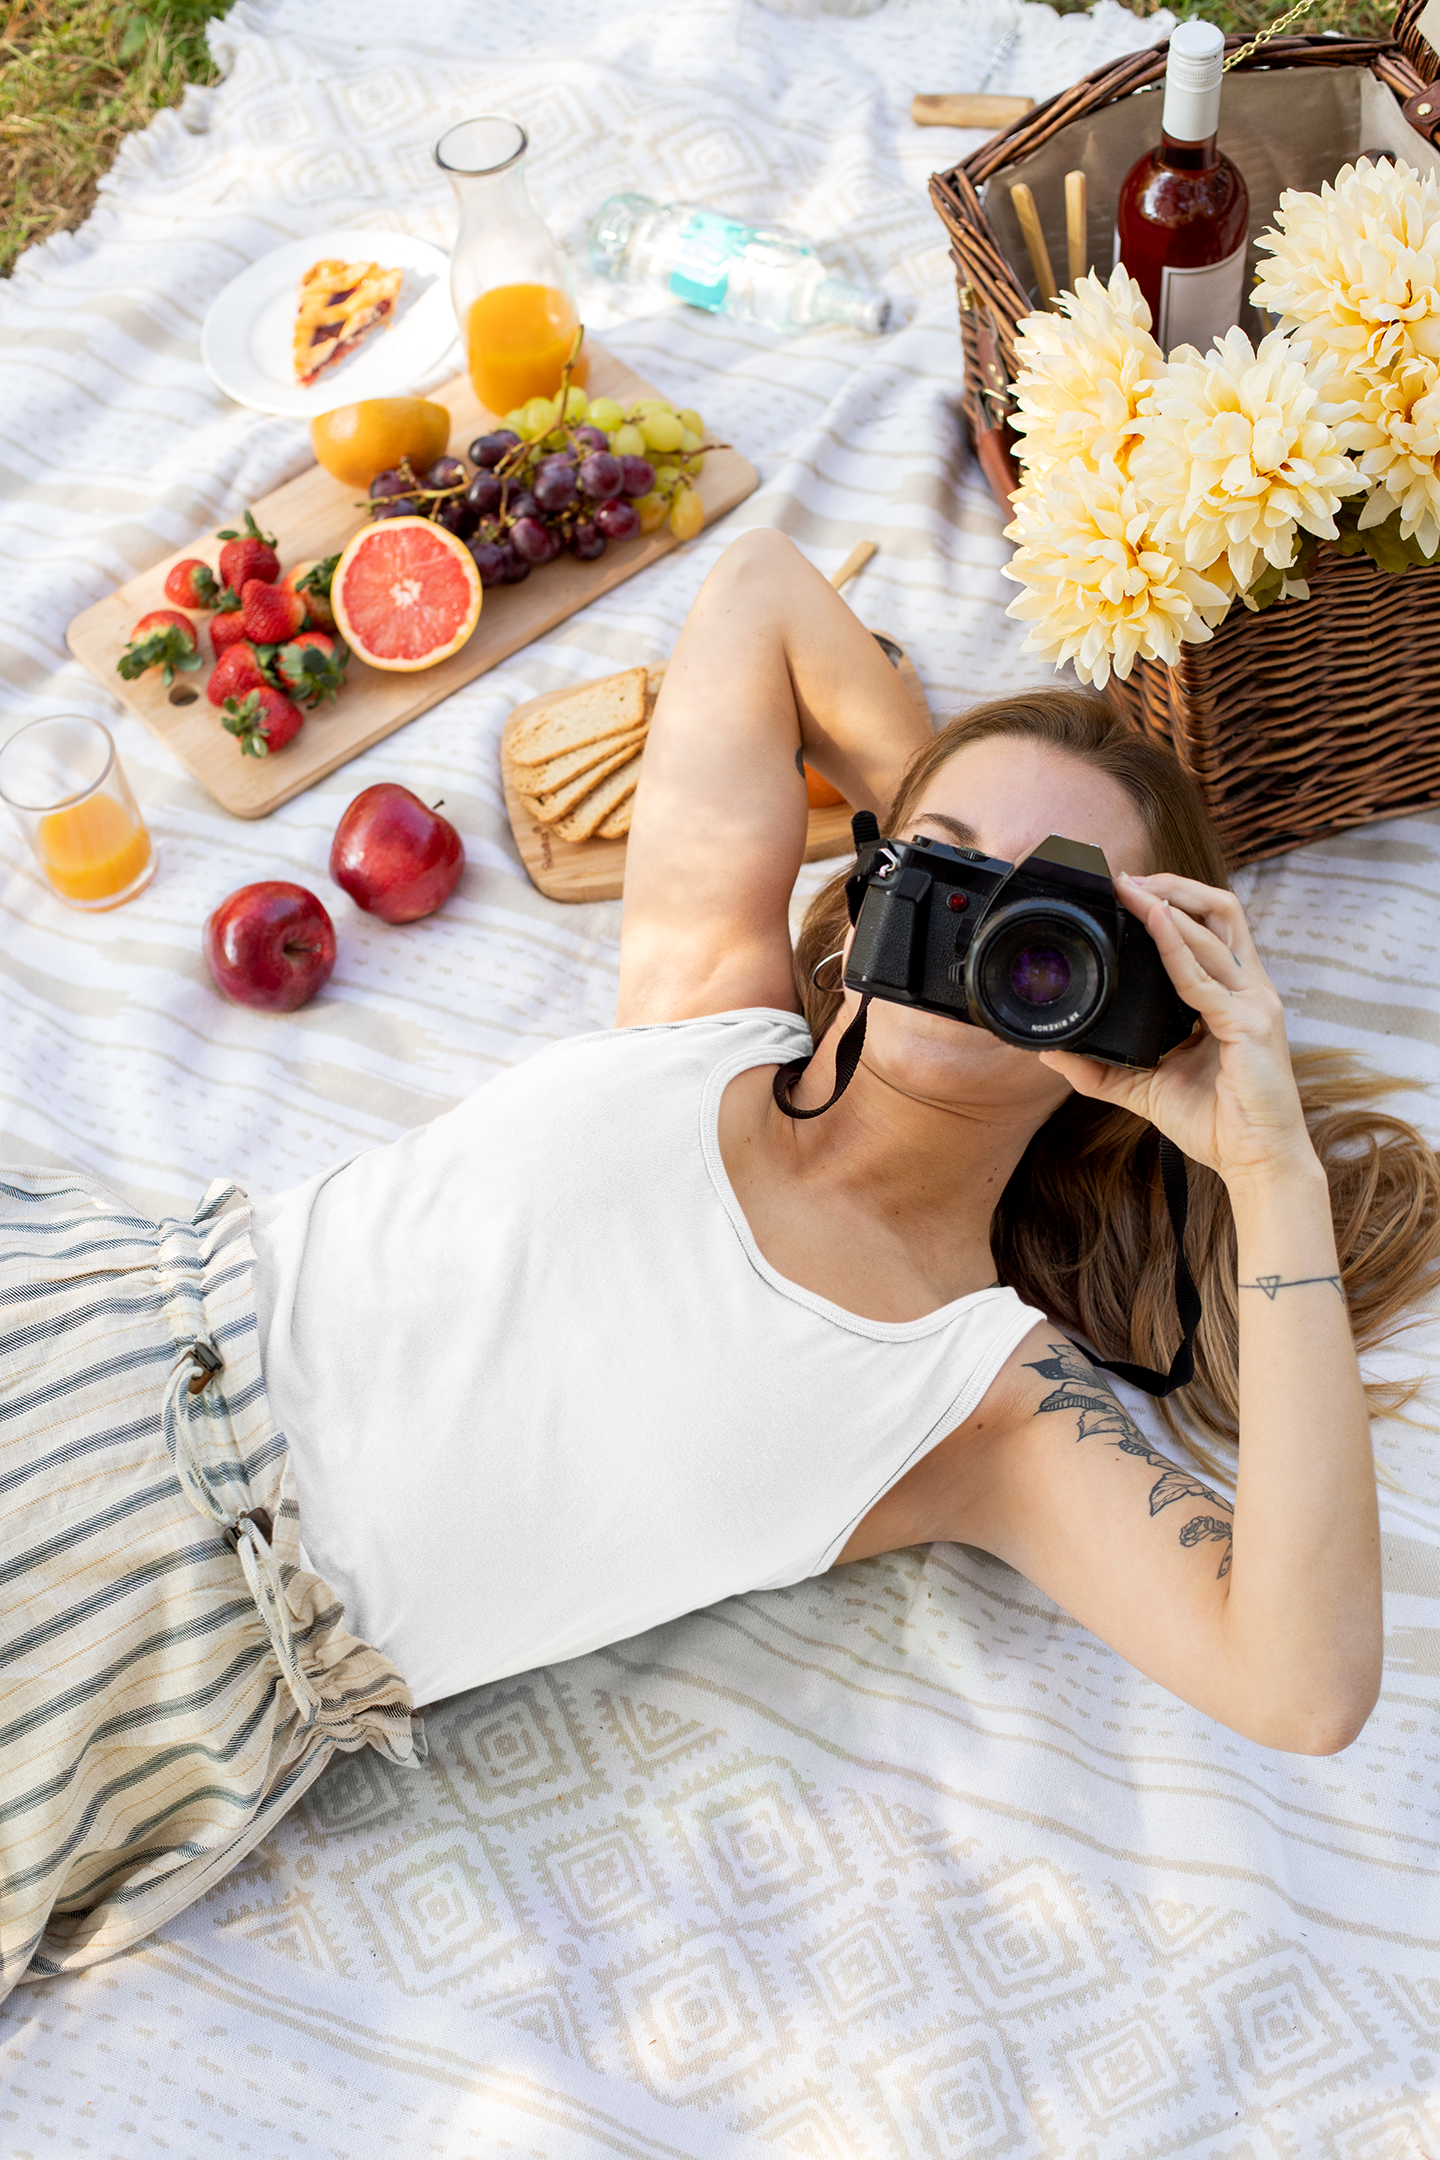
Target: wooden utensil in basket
[{"x": 1316, "y": 715}]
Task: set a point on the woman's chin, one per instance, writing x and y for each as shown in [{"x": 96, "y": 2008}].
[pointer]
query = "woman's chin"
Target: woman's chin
[{"x": 943, "y": 1061}]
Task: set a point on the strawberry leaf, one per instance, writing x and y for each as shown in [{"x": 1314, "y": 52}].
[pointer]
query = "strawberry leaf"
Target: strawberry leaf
[
  {"x": 167, "y": 649},
  {"x": 311, "y": 674},
  {"x": 252, "y": 532},
  {"x": 244, "y": 718},
  {"x": 319, "y": 577},
  {"x": 205, "y": 586}
]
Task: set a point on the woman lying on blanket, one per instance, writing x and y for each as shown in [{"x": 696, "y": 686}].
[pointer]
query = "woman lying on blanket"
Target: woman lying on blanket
[{"x": 623, "y": 1335}]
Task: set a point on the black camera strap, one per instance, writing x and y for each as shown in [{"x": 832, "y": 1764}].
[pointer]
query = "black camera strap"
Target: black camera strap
[
  {"x": 1177, "y": 1201},
  {"x": 847, "y": 1057}
]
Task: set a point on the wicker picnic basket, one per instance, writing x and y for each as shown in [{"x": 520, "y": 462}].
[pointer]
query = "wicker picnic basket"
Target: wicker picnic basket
[{"x": 1317, "y": 714}]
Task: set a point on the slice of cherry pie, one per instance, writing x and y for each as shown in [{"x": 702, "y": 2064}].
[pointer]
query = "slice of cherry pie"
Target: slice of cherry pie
[{"x": 339, "y": 303}]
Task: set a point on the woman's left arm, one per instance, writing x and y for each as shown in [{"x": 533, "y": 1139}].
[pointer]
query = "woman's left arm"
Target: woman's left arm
[{"x": 1279, "y": 1635}]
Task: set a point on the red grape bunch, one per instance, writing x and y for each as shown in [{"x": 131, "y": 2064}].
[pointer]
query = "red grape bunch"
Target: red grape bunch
[{"x": 563, "y": 473}]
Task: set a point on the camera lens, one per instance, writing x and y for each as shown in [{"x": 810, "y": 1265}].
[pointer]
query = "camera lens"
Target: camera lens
[{"x": 1040, "y": 973}]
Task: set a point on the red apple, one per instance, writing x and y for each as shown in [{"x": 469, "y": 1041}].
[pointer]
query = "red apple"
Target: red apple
[
  {"x": 270, "y": 945},
  {"x": 395, "y": 857}
]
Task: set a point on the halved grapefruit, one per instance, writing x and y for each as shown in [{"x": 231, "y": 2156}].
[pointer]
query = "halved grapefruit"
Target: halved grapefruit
[{"x": 406, "y": 594}]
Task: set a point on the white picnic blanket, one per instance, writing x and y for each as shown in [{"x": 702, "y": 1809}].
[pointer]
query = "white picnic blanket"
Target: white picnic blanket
[{"x": 898, "y": 1863}]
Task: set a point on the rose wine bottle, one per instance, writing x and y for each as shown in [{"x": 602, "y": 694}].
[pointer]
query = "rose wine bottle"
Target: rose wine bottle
[{"x": 1183, "y": 213}]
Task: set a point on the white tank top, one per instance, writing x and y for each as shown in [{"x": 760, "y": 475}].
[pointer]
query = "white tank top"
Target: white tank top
[{"x": 542, "y": 1389}]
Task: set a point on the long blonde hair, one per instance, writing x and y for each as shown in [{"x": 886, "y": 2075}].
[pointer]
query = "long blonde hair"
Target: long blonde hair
[{"x": 1081, "y": 1230}]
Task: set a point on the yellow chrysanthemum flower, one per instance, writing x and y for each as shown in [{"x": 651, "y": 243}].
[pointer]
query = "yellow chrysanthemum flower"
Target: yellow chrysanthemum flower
[
  {"x": 1242, "y": 448},
  {"x": 1083, "y": 374},
  {"x": 1099, "y": 590},
  {"x": 1357, "y": 267},
  {"x": 1398, "y": 433}
]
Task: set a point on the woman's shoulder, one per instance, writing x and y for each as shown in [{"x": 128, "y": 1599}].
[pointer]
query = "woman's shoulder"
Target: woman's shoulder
[{"x": 749, "y": 1032}]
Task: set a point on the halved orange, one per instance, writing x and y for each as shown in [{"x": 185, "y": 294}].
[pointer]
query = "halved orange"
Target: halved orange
[
  {"x": 354, "y": 442},
  {"x": 406, "y": 594}
]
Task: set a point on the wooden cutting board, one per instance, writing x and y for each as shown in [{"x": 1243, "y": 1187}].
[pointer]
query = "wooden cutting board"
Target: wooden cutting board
[
  {"x": 595, "y": 869},
  {"x": 314, "y": 516}
]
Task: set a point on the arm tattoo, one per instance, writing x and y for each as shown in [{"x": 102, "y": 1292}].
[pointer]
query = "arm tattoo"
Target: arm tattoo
[
  {"x": 1271, "y": 1283},
  {"x": 1102, "y": 1416}
]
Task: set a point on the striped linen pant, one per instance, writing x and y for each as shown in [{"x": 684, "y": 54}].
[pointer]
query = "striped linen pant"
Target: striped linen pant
[{"x": 171, "y": 1677}]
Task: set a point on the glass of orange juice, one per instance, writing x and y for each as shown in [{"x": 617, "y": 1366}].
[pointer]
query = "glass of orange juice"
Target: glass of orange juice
[
  {"x": 66, "y": 788},
  {"x": 513, "y": 293}
]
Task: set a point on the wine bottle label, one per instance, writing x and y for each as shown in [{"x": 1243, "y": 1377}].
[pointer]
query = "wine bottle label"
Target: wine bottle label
[{"x": 1197, "y": 305}]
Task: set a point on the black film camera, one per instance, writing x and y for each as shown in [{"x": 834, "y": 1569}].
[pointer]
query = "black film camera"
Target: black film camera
[{"x": 1040, "y": 952}]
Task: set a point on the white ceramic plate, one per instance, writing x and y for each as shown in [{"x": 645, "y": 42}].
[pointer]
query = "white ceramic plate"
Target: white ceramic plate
[{"x": 247, "y": 342}]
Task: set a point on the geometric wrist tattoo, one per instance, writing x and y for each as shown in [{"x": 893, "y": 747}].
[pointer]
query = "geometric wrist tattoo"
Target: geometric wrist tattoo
[{"x": 1271, "y": 1283}]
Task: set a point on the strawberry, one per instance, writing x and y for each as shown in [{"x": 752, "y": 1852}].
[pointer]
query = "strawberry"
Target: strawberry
[
  {"x": 227, "y": 625},
  {"x": 312, "y": 666},
  {"x": 249, "y": 554},
  {"x": 161, "y": 639},
  {"x": 272, "y": 613},
  {"x": 312, "y": 581},
  {"x": 263, "y": 721},
  {"x": 192, "y": 584},
  {"x": 237, "y": 671}
]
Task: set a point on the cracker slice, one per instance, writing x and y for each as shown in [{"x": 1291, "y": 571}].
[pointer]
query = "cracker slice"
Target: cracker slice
[
  {"x": 617, "y": 825},
  {"x": 588, "y": 816},
  {"x": 560, "y": 771},
  {"x": 548, "y": 809},
  {"x": 613, "y": 706}
]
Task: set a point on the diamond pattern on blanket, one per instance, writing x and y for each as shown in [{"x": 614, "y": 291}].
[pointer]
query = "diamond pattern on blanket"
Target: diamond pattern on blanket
[
  {"x": 1024, "y": 1940},
  {"x": 958, "y": 2099},
  {"x": 602, "y": 1879}
]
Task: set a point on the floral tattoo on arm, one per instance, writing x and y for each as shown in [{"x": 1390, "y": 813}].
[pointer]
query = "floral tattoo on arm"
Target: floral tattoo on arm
[{"x": 1079, "y": 1389}]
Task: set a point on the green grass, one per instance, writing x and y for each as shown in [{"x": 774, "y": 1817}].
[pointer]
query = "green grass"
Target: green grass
[
  {"x": 76, "y": 76},
  {"x": 1243, "y": 18}
]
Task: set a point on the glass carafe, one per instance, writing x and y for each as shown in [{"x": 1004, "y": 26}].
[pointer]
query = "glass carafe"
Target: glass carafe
[{"x": 514, "y": 298}]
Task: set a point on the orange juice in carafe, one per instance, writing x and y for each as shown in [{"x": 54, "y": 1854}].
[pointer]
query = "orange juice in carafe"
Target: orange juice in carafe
[
  {"x": 513, "y": 294},
  {"x": 519, "y": 338},
  {"x": 94, "y": 850}
]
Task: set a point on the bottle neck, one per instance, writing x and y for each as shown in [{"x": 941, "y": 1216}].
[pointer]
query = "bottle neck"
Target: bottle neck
[
  {"x": 493, "y": 199},
  {"x": 837, "y": 300},
  {"x": 1189, "y": 156}
]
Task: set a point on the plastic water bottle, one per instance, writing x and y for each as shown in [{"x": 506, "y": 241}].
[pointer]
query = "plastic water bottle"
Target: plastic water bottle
[{"x": 755, "y": 273}]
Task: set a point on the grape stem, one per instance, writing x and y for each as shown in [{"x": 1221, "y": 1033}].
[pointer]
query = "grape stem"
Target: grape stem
[{"x": 516, "y": 462}]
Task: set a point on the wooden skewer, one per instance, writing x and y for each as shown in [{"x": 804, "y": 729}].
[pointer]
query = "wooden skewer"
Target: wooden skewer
[
  {"x": 1029, "y": 221},
  {"x": 968, "y": 111},
  {"x": 854, "y": 563},
  {"x": 1075, "y": 232}
]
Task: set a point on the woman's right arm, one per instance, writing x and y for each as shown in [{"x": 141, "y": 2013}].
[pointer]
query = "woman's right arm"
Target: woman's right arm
[
  {"x": 1265, "y": 1615},
  {"x": 771, "y": 665}
]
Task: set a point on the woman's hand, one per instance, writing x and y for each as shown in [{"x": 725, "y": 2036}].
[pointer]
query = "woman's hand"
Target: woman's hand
[{"x": 1227, "y": 1097}]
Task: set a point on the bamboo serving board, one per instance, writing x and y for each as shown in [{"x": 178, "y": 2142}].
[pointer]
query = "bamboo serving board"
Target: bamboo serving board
[
  {"x": 314, "y": 516},
  {"x": 595, "y": 869}
]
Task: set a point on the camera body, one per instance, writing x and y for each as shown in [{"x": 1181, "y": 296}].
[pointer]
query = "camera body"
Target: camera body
[{"x": 1040, "y": 952}]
